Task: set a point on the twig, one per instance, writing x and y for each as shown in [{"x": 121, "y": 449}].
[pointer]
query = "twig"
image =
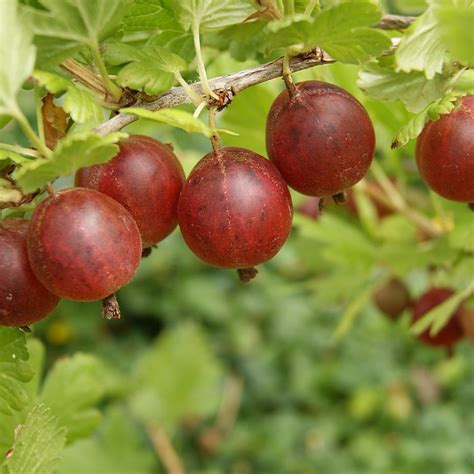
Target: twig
[
  {"x": 233, "y": 83},
  {"x": 165, "y": 451},
  {"x": 395, "y": 22},
  {"x": 228, "y": 411},
  {"x": 85, "y": 76},
  {"x": 230, "y": 84},
  {"x": 419, "y": 220}
]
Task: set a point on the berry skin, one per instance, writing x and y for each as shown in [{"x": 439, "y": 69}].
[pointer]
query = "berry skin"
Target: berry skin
[
  {"x": 23, "y": 299},
  {"x": 452, "y": 332},
  {"x": 235, "y": 210},
  {"x": 83, "y": 245},
  {"x": 146, "y": 178},
  {"x": 321, "y": 139},
  {"x": 445, "y": 153},
  {"x": 392, "y": 299}
]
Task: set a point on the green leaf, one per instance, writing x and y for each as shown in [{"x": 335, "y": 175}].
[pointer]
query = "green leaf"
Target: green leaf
[
  {"x": 117, "y": 434},
  {"x": 145, "y": 15},
  {"x": 439, "y": 316},
  {"x": 181, "y": 357},
  {"x": 68, "y": 25},
  {"x": 11, "y": 155},
  {"x": 117, "y": 53},
  {"x": 78, "y": 101},
  {"x": 413, "y": 89},
  {"x": 17, "y": 56},
  {"x": 152, "y": 69},
  {"x": 175, "y": 118},
  {"x": 72, "y": 153},
  {"x": 37, "y": 444},
  {"x": 71, "y": 389},
  {"x": 14, "y": 370},
  {"x": 342, "y": 31},
  {"x": 53, "y": 83},
  {"x": 416, "y": 124},
  {"x": 141, "y": 75},
  {"x": 456, "y": 20},
  {"x": 422, "y": 47},
  {"x": 210, "y": 14}
]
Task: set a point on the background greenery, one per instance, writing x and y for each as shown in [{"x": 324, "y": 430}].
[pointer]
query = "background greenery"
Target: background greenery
[{"x": 320, "y": 379}]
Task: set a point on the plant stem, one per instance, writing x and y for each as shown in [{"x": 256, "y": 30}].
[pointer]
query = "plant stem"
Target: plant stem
[
  {"x": 215, "y": 142},
  {"x": 30, "y": 134},
  {"x": 200, "y": 62},
  {"x": 20, "y": 150},
  {"x": 165, "y": 450},
  {"x": 289, "y": 7},
  {"x": 199, "y": 108},
  {"x": 286, "y": 73},
  {"x": 114, "y": 90},
  {"x": 192, "y": 94},
  {"x": 85, "y": 76},
  {"x": 310, "y": 7},
  {"x": 39, "y": 113}
]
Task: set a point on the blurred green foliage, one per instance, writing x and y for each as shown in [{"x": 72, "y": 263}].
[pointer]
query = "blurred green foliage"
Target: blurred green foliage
[{"x": 318, "y": 380}]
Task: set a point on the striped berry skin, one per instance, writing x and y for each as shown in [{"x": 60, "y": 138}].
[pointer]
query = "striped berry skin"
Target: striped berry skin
[
  {"x": 445, "y": 153},
  {"x": 83, "y": 245},
  {"x": 235, "y": 210},
  {"x": 321, "y": 138},
  {"x": 146, "y": 178}
]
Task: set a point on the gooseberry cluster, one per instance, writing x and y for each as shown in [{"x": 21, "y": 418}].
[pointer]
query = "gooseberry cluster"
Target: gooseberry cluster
[
  {"x": 234, "y": 210},
  {"x": 393, "y": 299}
]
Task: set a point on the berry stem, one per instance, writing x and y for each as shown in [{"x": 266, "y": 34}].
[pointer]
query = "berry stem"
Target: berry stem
[
  {"x": 110, "y": 308},
  {"x": 290, "y": 85},
  {"x": 215, "y": 141},
  {"x": 200, "y": 62},
  {"x": 49, "y": 189}
]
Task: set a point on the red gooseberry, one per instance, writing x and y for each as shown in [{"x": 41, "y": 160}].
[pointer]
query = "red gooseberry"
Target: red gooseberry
[
  {"x": 235, "y": 210},
  {"x": 320, "y": 138},
  {"x": 445, "y": 153},
  {"x": 23, "y": 299},
  {"x": 146, "y": 178},
  {"x": 83, "y": 245}
]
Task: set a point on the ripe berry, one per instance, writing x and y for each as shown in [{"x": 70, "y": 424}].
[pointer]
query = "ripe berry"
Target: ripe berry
[
  {"x": 235, "y": 210},
  {"x": 83, "y": 245},
  {"x": 393, "y": 298},
  {"x": 445, "y": 153},
  {"x": 23, "y": 299},
  {"x": 146, "y": 178},
  {"x": 452, "y": 332},
  {"x": 321, "y": 139}
]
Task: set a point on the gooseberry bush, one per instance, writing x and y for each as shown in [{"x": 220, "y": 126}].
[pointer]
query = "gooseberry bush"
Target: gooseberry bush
[{"x": 327, "y": 144}]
